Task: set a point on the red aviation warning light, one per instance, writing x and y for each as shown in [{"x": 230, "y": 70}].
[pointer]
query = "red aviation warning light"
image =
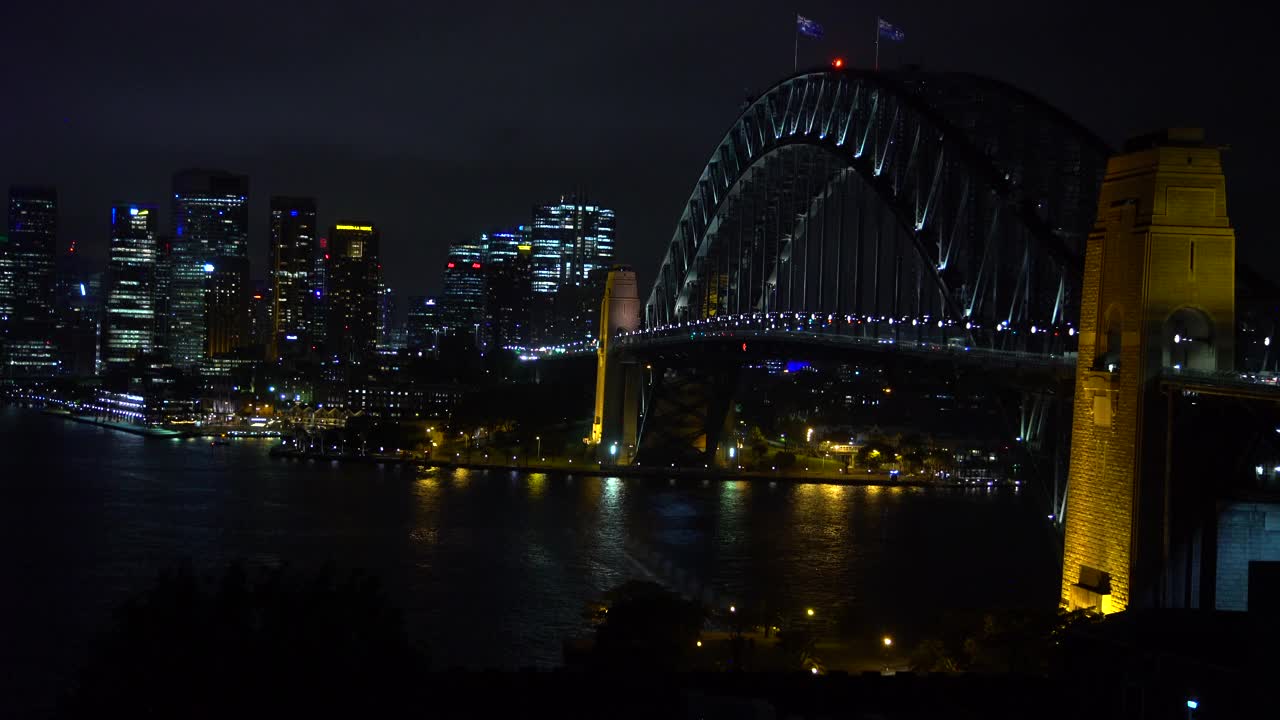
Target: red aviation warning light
[{"x": 837, "y": 63}]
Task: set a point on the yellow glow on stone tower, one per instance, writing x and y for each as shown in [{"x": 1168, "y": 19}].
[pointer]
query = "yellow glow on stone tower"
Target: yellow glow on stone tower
[
  {"x": 619, "y": 310},
  {"x": 1158, "y": 296}
]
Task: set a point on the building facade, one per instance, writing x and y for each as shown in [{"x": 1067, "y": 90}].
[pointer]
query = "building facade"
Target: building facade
[
  {"x": 572, "y": 243},
  {"x": 422, "y": 323},
  {"x": 465, "y": 290},
  {"x": 569, "y": 240},
  {"x": 509, "y": 289},
  {"x": 353, "y": 275},
  {"x": 291, "y": 263},
  {"x": 129, "y": 327},
  {"x": 209, "y": 265},
  {"x": 27, "y": 273}
]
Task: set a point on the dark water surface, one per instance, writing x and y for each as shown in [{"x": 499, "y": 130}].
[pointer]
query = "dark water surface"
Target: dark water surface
[{"x": 491, "y": 568}]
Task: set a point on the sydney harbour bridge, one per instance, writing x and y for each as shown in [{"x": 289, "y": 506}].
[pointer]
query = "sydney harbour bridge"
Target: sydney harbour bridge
[
  {"x": 954, "y": 224},
  {"x": 938, "y": 216},
  {"x": 875, "y": 199}
]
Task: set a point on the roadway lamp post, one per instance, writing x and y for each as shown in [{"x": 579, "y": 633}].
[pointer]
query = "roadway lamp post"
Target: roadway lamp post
[{"x": 539, "y": 439}]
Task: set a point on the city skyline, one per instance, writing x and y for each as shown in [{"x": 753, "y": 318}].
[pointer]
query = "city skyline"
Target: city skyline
[
  {"x": 629, "y": 125},
  {"x": 820, "y": 360}
]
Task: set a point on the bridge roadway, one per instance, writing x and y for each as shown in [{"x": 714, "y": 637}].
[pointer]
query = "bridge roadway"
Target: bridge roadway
[
  {"x": 802, "y": 330},
  {"x": 809, "y": 330}
]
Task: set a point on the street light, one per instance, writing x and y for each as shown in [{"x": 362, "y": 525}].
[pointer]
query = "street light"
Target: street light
[
  {"x": 809, "y": 612},
  {"x": 539, "y": 439},
  {"x": 888, "y": 641}
]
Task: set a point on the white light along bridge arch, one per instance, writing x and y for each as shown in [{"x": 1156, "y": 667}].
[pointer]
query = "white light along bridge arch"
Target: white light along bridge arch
[{"x": 888, "y": 202}]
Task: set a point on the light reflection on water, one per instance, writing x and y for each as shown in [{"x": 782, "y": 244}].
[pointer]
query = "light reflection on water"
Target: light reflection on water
[{"x": 491, "y": 568}]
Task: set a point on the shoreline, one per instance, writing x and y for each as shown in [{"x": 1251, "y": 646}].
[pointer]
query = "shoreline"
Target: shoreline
[
  {"x": 598, "y": 470},
  {"x": 130, "y": 428}
]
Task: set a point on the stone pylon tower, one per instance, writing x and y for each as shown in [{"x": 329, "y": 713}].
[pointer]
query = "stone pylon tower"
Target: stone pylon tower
[
  {"x": 613, "y": 425},
  {"x": 1158, "y": 297}
]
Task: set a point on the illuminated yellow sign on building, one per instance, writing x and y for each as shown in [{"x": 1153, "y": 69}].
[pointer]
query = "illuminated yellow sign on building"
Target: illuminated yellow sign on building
[{"x": 361, "y": 228}]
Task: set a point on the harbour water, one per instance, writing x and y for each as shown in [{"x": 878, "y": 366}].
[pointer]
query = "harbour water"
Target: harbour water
[{"x": 491, "y": 568}]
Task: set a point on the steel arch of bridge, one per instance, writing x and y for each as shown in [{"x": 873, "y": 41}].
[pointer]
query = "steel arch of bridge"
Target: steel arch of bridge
[{"x": 991, "y": 191}]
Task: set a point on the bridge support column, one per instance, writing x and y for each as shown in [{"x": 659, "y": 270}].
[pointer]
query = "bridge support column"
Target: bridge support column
[
  {"x": 1158, "y": 297},
  {"x": 617, "y": 381},
  {"x": 620, "y": 411},
  {"x": 688, "y": 413}
]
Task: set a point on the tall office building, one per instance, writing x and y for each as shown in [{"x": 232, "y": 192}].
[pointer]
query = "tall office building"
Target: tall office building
[
  {"x": 465, "y": 290},
  {"x": 161, "y": 297},
  {"x": 352, "y": 278},
  {"x": 570, "y": 239},
  {"x": 209, "y": 275},
  {"x": 317, "y": 327},
  {"x": 509, "y": 290},
  {"x": 78, "y": 305},
  {"x": 129, "y": 328},
  {"x": 27, "y": 271},
  {"x": 79, "y": 340},
  {"x": 422, "y": 323},
  {"x": 388, "y": 337},
  {"x": 290, "y": 263}
]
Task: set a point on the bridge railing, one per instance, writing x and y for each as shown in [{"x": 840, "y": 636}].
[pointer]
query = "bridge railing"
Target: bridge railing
[
  {"x": 832, "y": 330},
  {"x": 1222, "y": 378}
]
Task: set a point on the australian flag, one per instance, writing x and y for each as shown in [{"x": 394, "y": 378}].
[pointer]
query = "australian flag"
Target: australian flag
[
  {"x": 805, "y": 26},
  {"x": 889, "y": 31}
]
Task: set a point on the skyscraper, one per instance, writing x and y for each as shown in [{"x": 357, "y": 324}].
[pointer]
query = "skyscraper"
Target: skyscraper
[
  {"x": 209, "y": 282},
  {"x": 352, "y": 277},
  {"x": 465, "y": 290},
  {"x": 78, "y": 305},
  {"x": 27, "y": 269},
  {"x": 388, "y": 337},
  {"x": 570, "y": 239},
  {"x": 161, "y": 296},
  {"x": 317, "y": 325},
  {"x": 422, "y": 323},
  {"x": 131, "y": 264},
  {"x": 508, "y": 284},
  {"x": 290, "y": 263}
]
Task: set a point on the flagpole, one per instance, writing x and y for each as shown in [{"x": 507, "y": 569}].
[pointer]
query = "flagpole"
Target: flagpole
[
  {"x": 877, "y": 44},
  {"x": 795, "y": 58}
]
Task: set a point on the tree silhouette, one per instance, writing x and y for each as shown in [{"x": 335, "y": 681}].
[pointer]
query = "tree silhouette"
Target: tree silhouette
[
  {"x": 647, "y": 628},
  {"x": 188, "y": 648}
]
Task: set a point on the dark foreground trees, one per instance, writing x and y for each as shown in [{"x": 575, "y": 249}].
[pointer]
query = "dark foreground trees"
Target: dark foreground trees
[
  {"x": 248, "y": 644},
  {"x": 647, "y": 628}
]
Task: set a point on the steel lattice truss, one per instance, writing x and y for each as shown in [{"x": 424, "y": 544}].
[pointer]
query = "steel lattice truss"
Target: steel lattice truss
[{"x": 886, "y": 204}]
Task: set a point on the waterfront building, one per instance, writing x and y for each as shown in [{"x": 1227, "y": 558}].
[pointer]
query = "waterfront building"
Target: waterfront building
[{"x": 129, "y": 327}]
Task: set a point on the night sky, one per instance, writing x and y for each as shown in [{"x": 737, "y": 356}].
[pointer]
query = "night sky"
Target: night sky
[{"x": 437, "y": 121}]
